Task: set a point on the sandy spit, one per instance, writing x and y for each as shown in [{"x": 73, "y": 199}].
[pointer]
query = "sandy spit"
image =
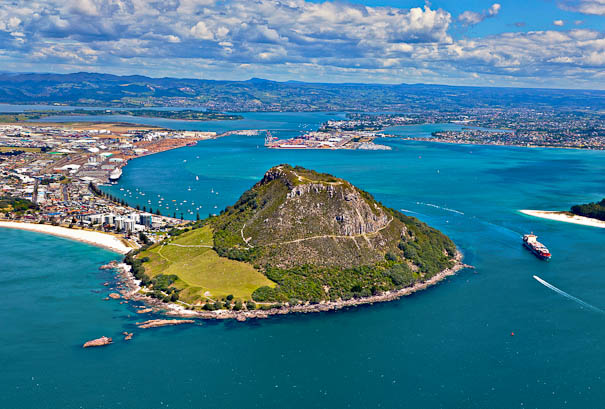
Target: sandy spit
[
  {"x": 565, "y": 217},
  {"x": 95, "y": 238}
]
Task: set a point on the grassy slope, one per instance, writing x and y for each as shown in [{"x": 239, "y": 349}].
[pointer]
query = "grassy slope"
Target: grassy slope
[{"x": 200, "y": 269}]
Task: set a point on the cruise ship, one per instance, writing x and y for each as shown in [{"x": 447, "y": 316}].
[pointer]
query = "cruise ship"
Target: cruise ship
[
  {"x": 115, "y": 174},
  {"x": 531, "y": 242}
]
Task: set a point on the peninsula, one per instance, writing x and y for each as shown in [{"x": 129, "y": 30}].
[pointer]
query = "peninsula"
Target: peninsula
[
  {"x": 590, "y": 214},
  {"x": 180, "y": 114},
  {"x": 297, "y": 241}
]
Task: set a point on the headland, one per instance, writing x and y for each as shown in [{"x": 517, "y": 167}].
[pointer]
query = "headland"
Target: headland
[{"x": 297, "y": 241}]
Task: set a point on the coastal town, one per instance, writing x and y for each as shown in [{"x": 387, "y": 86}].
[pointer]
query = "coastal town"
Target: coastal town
[
  {"x": 478, "y": 126},
  {"x": 57, "y": 170},
  {"x": 333, "y": 139}
]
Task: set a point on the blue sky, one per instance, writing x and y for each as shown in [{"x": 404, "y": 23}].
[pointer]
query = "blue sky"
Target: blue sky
[{"x": 530, "y": 43}]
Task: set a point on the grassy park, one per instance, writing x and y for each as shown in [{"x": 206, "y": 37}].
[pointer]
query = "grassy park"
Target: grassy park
[{"x": 202, "y": 274}]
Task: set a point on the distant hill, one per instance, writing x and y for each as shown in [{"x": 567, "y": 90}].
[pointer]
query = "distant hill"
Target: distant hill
[
  {"x": 92, "y": 89},
  {"x": 297, "y": 236}
]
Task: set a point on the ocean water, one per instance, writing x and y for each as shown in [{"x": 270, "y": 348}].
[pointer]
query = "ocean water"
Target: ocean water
[
  {"x": 451, "y": 346},
  {"x": 294, "y": 122}
]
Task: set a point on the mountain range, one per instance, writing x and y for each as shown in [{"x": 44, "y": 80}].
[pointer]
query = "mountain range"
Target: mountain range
[{"x": 94, "y": 89}]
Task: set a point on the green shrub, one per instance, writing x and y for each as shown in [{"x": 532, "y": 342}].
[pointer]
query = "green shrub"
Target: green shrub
[{"x": 265, "y": 293}]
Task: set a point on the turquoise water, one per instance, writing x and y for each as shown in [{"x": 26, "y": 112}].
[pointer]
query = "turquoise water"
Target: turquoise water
[
  {"x": 447, "y": 347},
  {"x": 279, "y": 121}
]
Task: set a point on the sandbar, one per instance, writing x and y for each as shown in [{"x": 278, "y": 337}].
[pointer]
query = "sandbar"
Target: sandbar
[{"x": 566, "y": 217}]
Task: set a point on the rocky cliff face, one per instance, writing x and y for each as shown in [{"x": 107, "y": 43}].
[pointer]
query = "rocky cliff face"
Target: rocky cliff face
[
  {"x": 297, "y": 216},
  {"x": 348, "y": 213}
]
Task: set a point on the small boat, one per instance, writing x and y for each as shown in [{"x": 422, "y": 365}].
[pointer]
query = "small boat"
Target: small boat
[
  {"x": 197, "y": 178},
  {"x": 530, "y": 241}
]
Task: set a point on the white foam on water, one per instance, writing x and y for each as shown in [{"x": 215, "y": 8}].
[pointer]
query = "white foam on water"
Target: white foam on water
[
  {"x": 408, "y": 211},
  {"x": 447, "y": 209},
  {"x": 569, "y": 296}
]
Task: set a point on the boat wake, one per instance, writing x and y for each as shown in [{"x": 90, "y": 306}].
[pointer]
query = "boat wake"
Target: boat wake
[
  {"x": 447, "y": 209},
  {"x": 408, "y": 211},
  {"x": 569, "y": 296}
]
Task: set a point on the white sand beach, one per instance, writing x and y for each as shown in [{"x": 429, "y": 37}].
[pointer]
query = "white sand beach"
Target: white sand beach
[
  {"x": 98, "y": 239},
  {"x": 565, "y": 217}
]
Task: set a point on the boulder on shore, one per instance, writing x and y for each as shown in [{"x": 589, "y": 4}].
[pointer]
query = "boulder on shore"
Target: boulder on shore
[
  {"x": 99, "y": 342},
  {"x": 109, "y": 266}
]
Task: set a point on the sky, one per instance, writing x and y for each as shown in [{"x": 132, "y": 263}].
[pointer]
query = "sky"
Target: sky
[{"x": 518, "y": 43}]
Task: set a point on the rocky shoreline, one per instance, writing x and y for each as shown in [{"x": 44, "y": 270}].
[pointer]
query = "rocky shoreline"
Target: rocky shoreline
[{"x": 175, "y": 310}]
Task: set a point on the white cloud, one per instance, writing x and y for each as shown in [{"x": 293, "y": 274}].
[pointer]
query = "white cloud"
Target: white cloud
[
  {"x": 87, "y": 7},
  {"x": 201, "y": 31},
  {"x": 559, "y": 23},
  {"x": 298, "y": 37},
  {"x": 471, "y": 18},
  {"x": 494, "y": 9},
  {"x": 596, "y": 7}
]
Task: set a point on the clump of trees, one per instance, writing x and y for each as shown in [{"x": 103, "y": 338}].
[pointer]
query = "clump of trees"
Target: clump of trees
[
  {"x": 144, "y": 239},
  {"x": 16, "y": 204},
  {"x": 592, "y": 210},
  {"x": 99, "y": 193},
  {"x": 137, "y": 268}
]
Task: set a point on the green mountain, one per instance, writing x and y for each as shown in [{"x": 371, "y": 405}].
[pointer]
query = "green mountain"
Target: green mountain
[
  {"x": 297, "y": 236},
  {"x": 319, "y": 237}
]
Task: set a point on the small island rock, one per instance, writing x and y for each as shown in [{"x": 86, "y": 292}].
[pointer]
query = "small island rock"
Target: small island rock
[{"x": 99, "y": 342}]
